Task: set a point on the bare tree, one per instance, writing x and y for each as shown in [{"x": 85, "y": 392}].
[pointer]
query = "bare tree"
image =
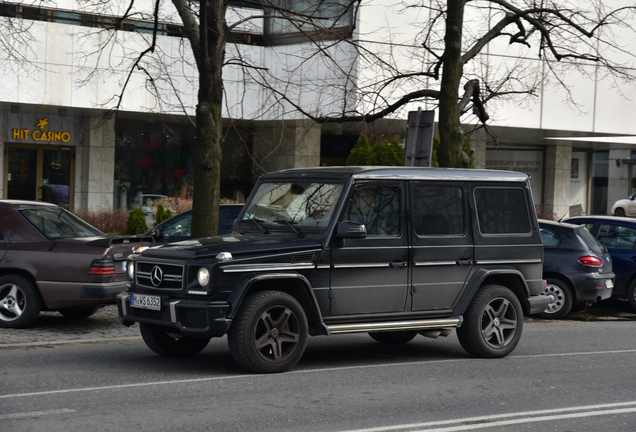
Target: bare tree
[{"x": 449, "y": 66}]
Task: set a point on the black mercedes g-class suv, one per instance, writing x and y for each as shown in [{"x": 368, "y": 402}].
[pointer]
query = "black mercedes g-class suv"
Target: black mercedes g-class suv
[{"x": 395, "y": 252}]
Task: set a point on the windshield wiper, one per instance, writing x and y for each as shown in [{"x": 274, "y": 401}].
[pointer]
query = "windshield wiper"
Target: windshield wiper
[
  {"x": 258, "y": 224},
  {"x": 290, "y": 224}
]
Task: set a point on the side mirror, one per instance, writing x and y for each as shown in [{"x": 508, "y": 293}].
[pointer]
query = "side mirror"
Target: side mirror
[{"x": 350, "y": 230}]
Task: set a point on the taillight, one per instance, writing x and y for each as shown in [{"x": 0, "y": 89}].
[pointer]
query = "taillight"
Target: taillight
[
  {"x": 591, "y": 261},
  {"x": 102, "y": 268}
]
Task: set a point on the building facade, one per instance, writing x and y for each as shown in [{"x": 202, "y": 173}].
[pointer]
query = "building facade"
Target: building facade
[{"x": 62, "y": 140}]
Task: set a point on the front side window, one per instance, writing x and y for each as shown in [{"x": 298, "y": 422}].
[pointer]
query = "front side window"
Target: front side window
[
  {"x": 177, "y": 227},
  {"x": 56, "y": 223},
  {"x": 377, "y": 207},
  {"x": 502, "y": 211},
  {"x": 617, "y": 236},
  {"x": 437, "y": 210},
  {"x": 296, "y": 204}
]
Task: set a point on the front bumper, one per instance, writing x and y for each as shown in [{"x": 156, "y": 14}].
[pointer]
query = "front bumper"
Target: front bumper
[{"x": 190, "y": 317}]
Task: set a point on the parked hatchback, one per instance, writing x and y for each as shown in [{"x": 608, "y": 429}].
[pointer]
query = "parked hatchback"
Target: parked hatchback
[
  {"x": 577, "y": 268},
  {"x": 618, "y": 235},
  {"x": 625, "y": 206},
  {"x": 51, "y": 260}
]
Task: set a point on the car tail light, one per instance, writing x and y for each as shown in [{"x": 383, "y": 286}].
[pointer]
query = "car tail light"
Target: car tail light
[
  {"x": 591, "y": 261},
  {"x": 102, "y": 267}
]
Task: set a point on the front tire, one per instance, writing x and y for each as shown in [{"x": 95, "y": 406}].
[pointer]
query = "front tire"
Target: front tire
[
  {"x": 562, "y": 300},
  {"x": 493, "y": 323},
  {"x": 171, "y": 344},
  {"x": 78, "y": 313},
  {"x": 619, "y": 212},
  {"x": 393, "y": 337},
  {"x": 20, "y": 302},
  {"x": 269, "y": 334}
]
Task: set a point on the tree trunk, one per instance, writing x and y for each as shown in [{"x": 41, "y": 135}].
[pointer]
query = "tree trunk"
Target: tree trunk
[
  {"x": 450, "y": 132},
  {"x": 209, "y": 124}
]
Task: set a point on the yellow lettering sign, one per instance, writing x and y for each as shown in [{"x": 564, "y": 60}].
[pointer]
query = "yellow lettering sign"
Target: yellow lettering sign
[{"x": 40, "y": 134}]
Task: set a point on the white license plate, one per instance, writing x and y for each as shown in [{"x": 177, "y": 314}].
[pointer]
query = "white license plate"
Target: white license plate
[
  {"x": 145, "y": 301},
  {"x": 123, "y": 266},
  {"x": 609, "y": 284}
]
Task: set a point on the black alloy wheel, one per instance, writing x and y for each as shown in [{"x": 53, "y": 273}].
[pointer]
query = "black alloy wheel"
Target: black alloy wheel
[{"x": 269, "y": 334}]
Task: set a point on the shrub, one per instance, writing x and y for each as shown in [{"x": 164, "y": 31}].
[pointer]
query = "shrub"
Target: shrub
[
  {"x": 136, "y": 222},
  {"x": 110, "y": 221},
  {"x": 162, "y": 214},
  {"x": 384, "y": 153}
]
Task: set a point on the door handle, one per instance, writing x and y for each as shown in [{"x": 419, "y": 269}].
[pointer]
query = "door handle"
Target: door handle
[
  {"x": 464, "y": 262},
  {"x": 398, "y": 264}
]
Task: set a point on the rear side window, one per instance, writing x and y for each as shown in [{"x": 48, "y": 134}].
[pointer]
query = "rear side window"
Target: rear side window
[
  {"x": 589, "y": 240},
  {"x": 549, "y": 237},
  {"x": 502, "y": 211},
  {"x": 617, "y": 236},
  {"x": 437, "y": 210}
]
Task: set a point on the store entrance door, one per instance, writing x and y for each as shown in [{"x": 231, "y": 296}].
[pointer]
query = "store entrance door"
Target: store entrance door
[{"x": 39, "y": 173}]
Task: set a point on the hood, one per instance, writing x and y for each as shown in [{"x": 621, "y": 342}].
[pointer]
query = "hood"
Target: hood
[{"x": 236, "y": 244}]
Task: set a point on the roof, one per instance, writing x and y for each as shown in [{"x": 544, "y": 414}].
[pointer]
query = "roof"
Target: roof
[
  {"x": 620, "y": 219},
  {"x": 404, "y": 173},
  {"x": 25, "y": 203}
]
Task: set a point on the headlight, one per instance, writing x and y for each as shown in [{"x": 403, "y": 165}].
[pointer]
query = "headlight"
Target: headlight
[
  {"x": 203, "y": 276},
  {"x": 130, "y": 268}
]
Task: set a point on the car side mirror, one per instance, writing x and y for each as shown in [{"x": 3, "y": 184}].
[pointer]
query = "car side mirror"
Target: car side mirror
[{"x": 350, "y": 230}]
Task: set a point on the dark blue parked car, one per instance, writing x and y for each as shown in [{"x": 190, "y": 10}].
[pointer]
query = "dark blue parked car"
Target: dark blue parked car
[
  {"x": 178, "y": 227},
  {"x": 577, "y": 268},
  {"x": 618, "y": 235}
]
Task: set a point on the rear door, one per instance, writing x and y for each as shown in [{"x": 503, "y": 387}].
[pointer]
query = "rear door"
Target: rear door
[{"x": 442, "y": 243}]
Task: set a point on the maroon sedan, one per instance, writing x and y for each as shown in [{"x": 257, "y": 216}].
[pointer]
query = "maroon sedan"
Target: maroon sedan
[{"x": 51, "y": 260}]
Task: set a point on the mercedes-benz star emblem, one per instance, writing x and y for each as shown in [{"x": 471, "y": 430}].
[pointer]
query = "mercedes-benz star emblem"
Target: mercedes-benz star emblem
[{"x": 156, "y": 276}]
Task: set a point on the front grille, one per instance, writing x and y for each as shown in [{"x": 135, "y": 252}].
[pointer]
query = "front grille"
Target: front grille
[{"x": 161, "y": 276}]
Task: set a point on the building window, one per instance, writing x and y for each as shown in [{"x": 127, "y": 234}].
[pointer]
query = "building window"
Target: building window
[{"x": 324, "y": 19}]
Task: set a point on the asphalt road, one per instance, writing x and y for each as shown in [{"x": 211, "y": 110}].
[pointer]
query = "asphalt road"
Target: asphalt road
[{"x": 567, "y": 375}]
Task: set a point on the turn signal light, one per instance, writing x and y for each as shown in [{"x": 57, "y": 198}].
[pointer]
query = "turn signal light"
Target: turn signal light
[{"x": 591, "y": 261}]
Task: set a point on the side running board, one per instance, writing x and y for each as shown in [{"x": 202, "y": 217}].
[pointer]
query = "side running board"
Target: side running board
[{"x": 395, "y": 326}]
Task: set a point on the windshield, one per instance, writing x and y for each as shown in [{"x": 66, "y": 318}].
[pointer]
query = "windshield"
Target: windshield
[
  {"x": 303, "y": 204},
  {"x": 56, "y": 223}
]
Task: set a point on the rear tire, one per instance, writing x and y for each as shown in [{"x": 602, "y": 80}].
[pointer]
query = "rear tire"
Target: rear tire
[
  {"x": 631, "y": 295},
  {"x": 20, "y": 302},
  {"x": 562, "y": 300},
  {"x": 493, "y": 323},
  {"x": 393, "y": 337},
  {"x": 171, "y": 344}
]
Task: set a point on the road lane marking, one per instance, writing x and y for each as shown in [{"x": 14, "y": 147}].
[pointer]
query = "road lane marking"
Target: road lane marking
[
  {"x": 35, "y": 413},
  {"x": 488, "y": 421},
  {"x": 296, "y": 372}
]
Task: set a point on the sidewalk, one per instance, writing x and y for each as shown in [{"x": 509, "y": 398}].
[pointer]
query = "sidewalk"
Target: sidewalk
[{"x": 51, "y": 327}]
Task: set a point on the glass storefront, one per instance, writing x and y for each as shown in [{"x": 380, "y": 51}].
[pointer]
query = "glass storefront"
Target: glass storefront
[{"x": 158, "y": 160}]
